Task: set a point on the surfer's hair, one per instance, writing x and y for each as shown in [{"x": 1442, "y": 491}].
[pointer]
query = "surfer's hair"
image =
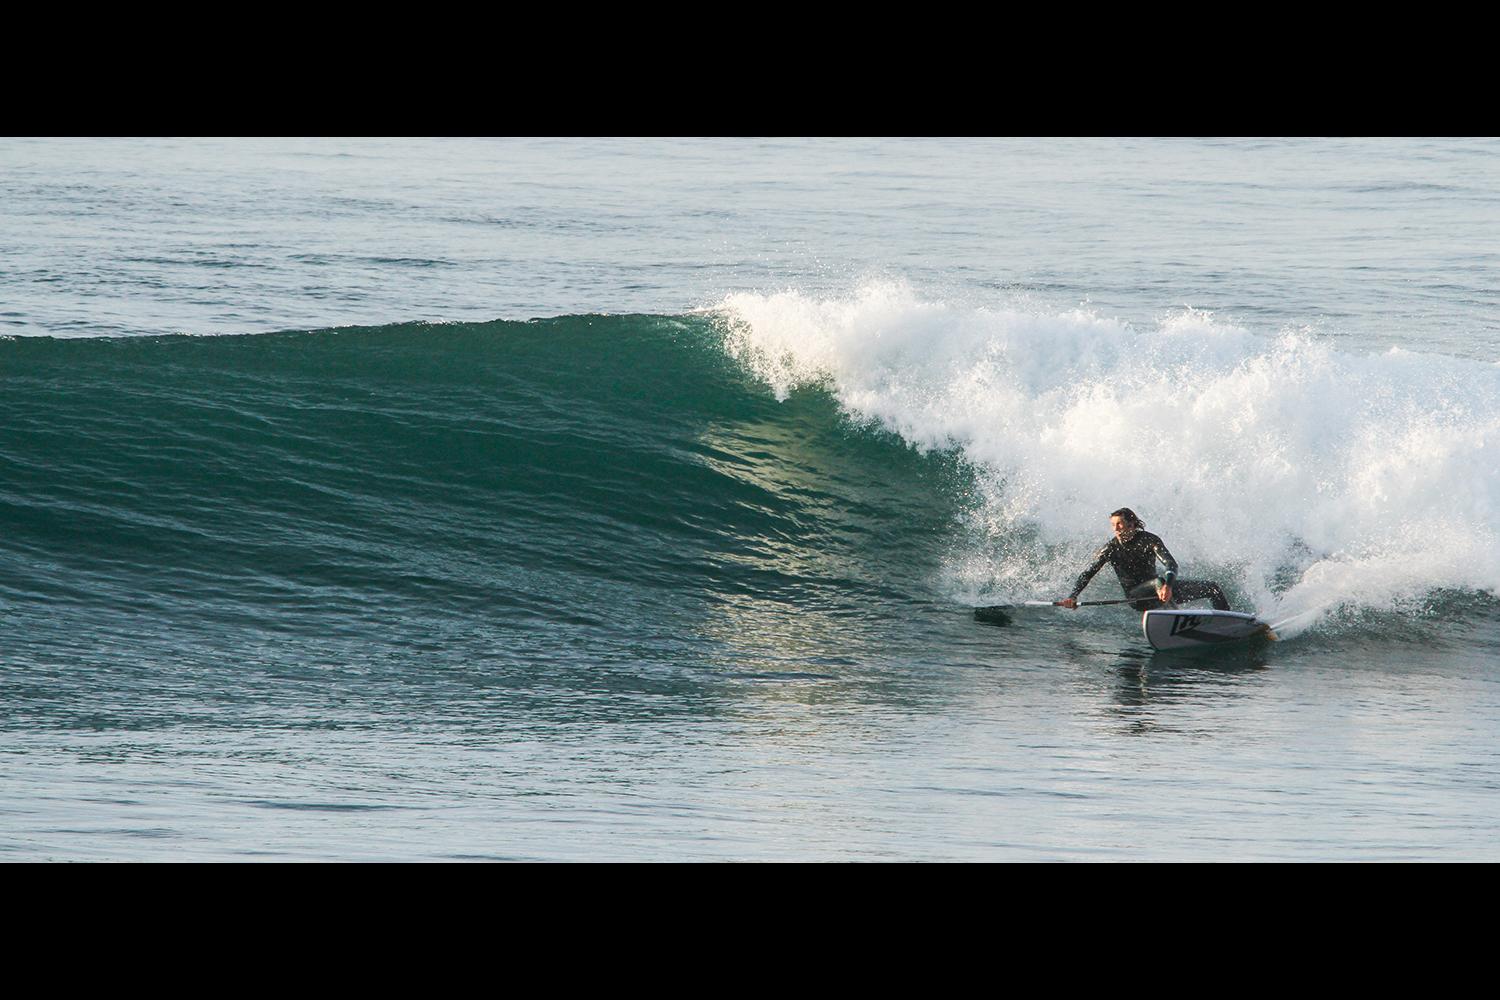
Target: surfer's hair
[{"x": 1130, "y": 517}]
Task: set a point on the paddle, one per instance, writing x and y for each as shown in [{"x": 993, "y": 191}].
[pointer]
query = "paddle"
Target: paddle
[{"x": 1081, "y": 604}]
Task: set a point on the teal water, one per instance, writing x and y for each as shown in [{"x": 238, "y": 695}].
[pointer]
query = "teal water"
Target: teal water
[{"x": 684, "y": 568}]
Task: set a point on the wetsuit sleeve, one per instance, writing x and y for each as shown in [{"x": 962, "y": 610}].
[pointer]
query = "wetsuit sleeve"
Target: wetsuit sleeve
[
  {"x": 1166, "y": 557},
  {"x": 1088, "y": 574}
]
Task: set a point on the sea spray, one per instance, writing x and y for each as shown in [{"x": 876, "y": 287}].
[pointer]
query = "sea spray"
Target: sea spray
[{"x": 1307, "y": 478}]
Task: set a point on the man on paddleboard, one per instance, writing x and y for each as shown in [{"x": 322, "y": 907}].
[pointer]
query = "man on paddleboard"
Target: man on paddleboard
[{"x": 1133, "y": 552}]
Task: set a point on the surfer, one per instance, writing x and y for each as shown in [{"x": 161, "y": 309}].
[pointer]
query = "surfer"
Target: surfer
[{"x": 1133, "y": 552}]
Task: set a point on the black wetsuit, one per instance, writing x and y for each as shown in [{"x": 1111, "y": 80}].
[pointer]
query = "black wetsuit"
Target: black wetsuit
[{"x": 1135, "y": 564}]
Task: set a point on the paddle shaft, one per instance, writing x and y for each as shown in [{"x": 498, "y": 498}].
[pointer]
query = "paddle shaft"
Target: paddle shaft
[{"x": 1084, "y": 604}]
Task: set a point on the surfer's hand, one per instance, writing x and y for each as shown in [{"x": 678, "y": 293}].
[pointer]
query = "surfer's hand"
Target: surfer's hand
[
  {"x": 1067, "y": 602},
  {"x": 1164, "y": 593}
]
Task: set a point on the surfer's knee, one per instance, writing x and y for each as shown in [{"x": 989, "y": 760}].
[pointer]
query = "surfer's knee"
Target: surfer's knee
[{"x": 1216, "y": 595}]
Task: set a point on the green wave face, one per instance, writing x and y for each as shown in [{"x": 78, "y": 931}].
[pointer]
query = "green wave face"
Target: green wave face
[{"x": 589, "y": 480}]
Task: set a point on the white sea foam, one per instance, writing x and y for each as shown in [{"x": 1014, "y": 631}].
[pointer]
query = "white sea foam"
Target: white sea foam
[{"x": 1304, "y": 478}]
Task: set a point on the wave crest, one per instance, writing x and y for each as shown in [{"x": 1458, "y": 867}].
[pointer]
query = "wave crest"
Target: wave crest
[{"x": 1303, "y": 476}]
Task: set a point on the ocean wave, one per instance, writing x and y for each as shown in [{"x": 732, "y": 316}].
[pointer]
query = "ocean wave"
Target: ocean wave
[{"x": 781, "y": 448}]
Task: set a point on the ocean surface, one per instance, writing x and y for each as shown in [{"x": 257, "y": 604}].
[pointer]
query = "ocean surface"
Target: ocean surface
[{"x": 630, "y": 500}]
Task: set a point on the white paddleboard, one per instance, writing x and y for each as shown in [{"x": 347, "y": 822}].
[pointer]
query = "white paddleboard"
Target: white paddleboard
[{"x": 1189, "y": 629}]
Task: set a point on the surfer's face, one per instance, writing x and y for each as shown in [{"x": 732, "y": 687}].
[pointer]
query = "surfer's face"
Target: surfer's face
[{"x": 1124, "y": 530}]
